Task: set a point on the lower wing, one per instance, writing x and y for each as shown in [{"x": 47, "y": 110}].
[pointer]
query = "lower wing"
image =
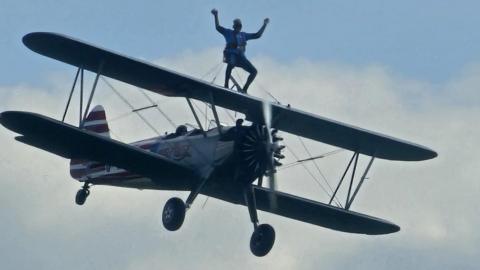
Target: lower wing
[{"x": 71, "y": 142}]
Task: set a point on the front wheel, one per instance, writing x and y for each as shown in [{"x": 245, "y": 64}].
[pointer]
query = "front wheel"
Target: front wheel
[
  {"x": 81, "y": 196},
  {"x": 262, "y": 240},
  {"x": 173, "y": 214}
]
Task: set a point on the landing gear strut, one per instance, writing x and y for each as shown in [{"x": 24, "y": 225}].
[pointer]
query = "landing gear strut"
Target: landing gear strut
[
  {"x": 82, "y": 194},
  {"x": 263, "y": 236}
]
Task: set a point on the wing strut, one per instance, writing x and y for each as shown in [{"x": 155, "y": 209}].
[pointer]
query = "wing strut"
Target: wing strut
[
  {"x": 196, "y": 116},
  {"x": 81, "y": 98},
  {"x": 214, "y": 110},
  {"x": 70, "y": 96},
  {"x": 364, "y": 176},
  {"x": 341, "y": 179},
  {"x": 351, "y": 180},
  {"x": 82, "y": 114},
  {"x": 350, "y": 199},
  {"x": 94, "y": 87}
]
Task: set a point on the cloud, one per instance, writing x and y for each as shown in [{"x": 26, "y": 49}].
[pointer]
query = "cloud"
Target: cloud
[{"x": 433, "y": 201}]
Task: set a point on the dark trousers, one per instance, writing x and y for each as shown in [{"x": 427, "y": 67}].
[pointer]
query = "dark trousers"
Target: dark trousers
[{"x": 239, "y": 60}]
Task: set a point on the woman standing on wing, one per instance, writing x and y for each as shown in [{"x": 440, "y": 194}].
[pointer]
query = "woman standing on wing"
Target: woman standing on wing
[{"x": 234, "y": 53}]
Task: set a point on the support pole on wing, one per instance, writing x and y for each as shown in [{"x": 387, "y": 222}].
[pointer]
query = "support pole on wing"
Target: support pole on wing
[
  {"x": 81, "y": 98},
  {"x": 214, "y": 110},
  {"x": 90, "y": 98},
  {"x": 351, "y": 180},
  {"x": 364, "y": 176},
  {"x": 350, "y": 199},
  {"x": 71, "y": 93},
  {"x": 343, "y": 177},
  {"x": 196, "y": 116}
]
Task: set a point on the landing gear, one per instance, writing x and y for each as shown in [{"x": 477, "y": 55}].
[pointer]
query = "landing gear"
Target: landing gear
[
  {"x": 173, "y": 214},
  {"x": 82, "y": 194},
  {"x": 174, "y": 210},
  {"x": 263, "y": 236},
  {"x": 262, "y": 240}
]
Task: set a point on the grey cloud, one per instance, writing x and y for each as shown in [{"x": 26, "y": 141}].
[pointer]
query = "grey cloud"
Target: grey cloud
[{"x": 434, "y": 201}]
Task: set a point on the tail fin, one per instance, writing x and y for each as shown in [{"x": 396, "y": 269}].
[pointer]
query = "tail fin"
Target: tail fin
[{"x": 96, "y": 121}]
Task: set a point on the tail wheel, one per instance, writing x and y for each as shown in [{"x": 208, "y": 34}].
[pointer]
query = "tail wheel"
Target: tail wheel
[
  {"x": 262, "y": 240},
  {"x": 173, "y": 214}
]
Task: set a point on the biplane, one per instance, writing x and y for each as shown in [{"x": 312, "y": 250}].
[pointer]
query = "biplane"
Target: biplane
[{"x": 228, "y": 163}]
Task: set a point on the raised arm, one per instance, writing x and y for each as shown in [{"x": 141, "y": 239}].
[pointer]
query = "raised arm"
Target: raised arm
[
  {"x": 260, "y": 32},
  {"x": 217, "y": 23}
]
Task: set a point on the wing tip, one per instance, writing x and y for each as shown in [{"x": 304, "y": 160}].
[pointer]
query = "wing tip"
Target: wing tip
[
  {"x": 6, "y": 118},
  {"x": 394, "y": 228},
  {"x": 34, "y": 40},
  {"x": 30, "y": 38},
  {"x": 428, "y": 153},
  {"x": 384, "y": 227}
]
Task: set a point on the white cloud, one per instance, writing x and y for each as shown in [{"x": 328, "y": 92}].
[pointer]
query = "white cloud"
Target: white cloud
[{"x": 433, "y": 201}]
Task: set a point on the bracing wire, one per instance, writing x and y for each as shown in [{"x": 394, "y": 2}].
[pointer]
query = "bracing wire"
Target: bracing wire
[
  {"x": 313, "y": 176},
  {"x": 218, "y": 69},
  {"x": 130, "y": 106},
  {"x": 267, "y": 92},
  {"x": 121, "y": 116},
  {"x": 210, "y": 71},
  {"x": 337, "y": 202},
  {"x": 214, "y": 70},
  {"x": 300, "y": 161},
  {"x": 315, "y": 163},
  {"x": 158, "y": 109}
]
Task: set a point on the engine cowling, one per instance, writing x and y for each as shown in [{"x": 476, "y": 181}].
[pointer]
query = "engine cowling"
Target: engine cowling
[{"x": 255, "y": 151}]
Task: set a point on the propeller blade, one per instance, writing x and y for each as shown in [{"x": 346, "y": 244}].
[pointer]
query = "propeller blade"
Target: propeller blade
[
  {"x": 267, "y": 118},
  {"x": 273, "y": 187}
]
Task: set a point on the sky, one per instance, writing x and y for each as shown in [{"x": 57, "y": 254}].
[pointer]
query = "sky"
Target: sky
[{"x": 409, "y": 69}]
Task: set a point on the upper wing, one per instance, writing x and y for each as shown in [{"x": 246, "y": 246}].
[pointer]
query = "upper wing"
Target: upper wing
[
  {"x": 170, "y": 83},
  {"x": 70, "y": 142}
]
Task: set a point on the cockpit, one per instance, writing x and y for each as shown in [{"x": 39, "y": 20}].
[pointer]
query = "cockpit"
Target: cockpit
[{"x": 182, "y": 130}]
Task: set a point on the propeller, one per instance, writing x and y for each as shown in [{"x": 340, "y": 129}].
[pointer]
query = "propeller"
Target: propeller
[
  {"x": 273, "y": 151},
  {"x": 260, "y": 152}
]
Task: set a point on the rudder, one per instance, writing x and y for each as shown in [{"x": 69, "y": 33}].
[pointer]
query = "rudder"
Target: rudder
[{"x": 96, "y": 122}]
